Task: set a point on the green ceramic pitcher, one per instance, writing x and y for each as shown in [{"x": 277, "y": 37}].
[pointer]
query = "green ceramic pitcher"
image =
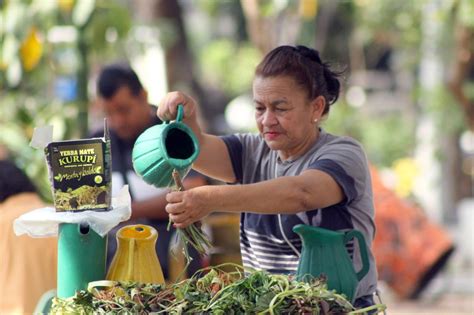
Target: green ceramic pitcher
[
  {"x": 162, "y": 148},
  {"x": 324, "y": 252}
]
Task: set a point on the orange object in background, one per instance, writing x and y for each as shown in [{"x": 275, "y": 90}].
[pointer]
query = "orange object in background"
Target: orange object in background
[
  {"x": 409, "y": 249},
  {"x": 27, "y": 265}
]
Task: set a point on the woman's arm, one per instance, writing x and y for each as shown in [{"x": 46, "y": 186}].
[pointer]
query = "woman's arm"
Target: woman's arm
[
  {"x": 154, "y": 207},
  {"x": 312, "y": 189},
  {"x": 214, "y": 160}
]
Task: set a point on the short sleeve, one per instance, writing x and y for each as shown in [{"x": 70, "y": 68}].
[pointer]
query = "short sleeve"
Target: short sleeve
[
  {"x": 345, "y": 161},
  {"x": 234, "y": 147},
  {"x": 245, "y": 151}
]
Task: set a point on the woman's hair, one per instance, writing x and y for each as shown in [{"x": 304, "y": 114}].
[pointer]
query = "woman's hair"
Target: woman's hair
[
  {"x": 305, "y": 66},
  {"x": 13, "y": 181}
]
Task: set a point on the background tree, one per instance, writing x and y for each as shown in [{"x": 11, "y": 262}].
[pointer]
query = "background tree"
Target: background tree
[
  {"x": 211, "y": 49},
  {"x": 45, "y": 55}
]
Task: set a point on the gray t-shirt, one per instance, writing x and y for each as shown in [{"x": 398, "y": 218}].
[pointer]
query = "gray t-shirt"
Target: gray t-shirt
[{"x": 263, "y": 246}]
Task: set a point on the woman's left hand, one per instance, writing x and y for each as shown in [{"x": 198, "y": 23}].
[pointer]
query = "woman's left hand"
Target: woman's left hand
[{"x": 187, "y": 207}]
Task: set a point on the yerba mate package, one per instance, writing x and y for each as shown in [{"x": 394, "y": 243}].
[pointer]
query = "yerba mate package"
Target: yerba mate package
[{"x": 80, "y": 172}]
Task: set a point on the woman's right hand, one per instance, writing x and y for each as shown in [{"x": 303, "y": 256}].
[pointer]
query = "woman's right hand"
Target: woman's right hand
[{"x": 168, "y": 108}]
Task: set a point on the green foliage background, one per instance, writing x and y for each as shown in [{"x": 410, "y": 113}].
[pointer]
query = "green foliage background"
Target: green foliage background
[{"x": 27, "y": 99}]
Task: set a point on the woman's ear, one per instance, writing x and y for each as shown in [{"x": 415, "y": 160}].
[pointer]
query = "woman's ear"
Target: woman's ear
[{"x": 318, "y": 104}]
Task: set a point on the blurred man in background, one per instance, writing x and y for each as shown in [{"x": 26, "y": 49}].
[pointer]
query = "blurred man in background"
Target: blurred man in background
[
  {"x": 125, "y": 104},
  {"x": 28, "y": 265}
]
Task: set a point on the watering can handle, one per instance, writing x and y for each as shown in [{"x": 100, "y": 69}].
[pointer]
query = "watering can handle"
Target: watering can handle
[
  {"x": 179, "y": 115},
  {"x": 363, "y": 251}
]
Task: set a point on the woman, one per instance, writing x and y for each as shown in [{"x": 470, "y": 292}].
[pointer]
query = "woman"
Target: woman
[{"x": 292, "y": 172}]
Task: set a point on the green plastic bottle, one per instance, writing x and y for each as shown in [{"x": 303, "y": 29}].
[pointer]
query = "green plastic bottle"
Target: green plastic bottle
[{"x": 81, "y": 258}]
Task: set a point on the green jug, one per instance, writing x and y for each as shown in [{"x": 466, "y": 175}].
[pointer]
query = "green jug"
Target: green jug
[
  {"x": 324, "y": 252},
  {"x": 162, "y": 148}
]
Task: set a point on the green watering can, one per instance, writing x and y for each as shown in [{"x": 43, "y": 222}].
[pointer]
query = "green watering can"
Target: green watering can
[
  {"x": 162, "y": 148},
  {"x": 324, "y": 252}
]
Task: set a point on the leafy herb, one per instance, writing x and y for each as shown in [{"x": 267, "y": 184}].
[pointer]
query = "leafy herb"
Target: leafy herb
[
  {"x": 213, "y": 291},
  {"x": 192, "y": 234}
]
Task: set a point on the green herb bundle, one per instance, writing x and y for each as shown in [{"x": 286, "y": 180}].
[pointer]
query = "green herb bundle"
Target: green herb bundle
[
  {"x": 192, "y": 234},
  {"x": 213, "y": 291}
]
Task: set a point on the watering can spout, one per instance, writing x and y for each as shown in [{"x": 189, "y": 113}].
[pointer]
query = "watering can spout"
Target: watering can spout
[
  {"x": 302, "y": 230},
  {"x": 315, "y": 235}
]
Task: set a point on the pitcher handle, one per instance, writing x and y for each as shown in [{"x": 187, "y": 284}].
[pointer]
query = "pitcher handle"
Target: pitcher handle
[
  {"x": 363, "y": 251},
  {"x": 179, "y": 115}
]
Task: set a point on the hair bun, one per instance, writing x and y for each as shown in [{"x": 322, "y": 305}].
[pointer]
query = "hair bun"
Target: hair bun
[{"x": 332, "y": 84}]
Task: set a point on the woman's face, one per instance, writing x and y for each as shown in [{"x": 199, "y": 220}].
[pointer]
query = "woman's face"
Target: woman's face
[{"x": 285, "y": 116}]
